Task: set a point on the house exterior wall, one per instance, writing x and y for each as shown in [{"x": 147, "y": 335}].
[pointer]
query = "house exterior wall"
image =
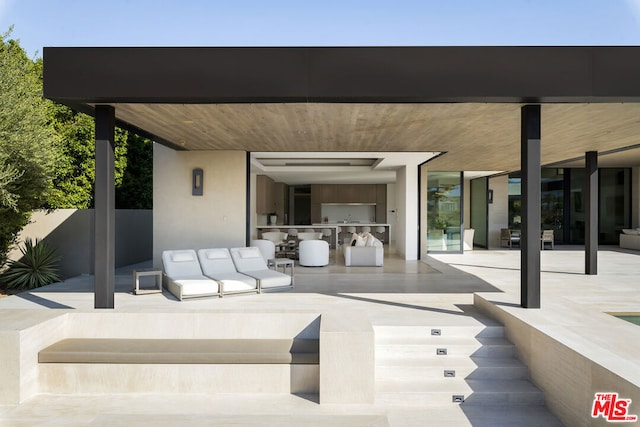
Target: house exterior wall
[
  {"x": 466, "y": 202},
  {"x": 407, "y": 212},
  {"x": 392, "y": 211},
  {"x": 183, "y": 221}
]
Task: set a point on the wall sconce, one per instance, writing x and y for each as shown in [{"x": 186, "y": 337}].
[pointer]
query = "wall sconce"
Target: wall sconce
[{"x": 196, "y": 182}]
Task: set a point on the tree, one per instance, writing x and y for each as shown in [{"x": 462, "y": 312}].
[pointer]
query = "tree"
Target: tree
[
  {"x": 73, "y": 185},
  {"x": 136, "y": 188},
  {"x": 29, "y": 148}
]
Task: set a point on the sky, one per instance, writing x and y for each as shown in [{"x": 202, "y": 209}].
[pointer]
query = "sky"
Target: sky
[{"x": 39, "y": 23}]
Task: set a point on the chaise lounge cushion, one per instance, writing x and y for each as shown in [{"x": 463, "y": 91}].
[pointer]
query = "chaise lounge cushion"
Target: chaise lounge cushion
[
  {"x": 249, "y": 261},
  {"x": 217, "y": 264},
  {"x": 184, "y": 275},
  {"x": 182, "y": 351}
]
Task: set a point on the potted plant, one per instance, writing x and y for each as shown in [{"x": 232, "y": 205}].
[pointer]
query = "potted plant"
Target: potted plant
[{"x": 272, "y": 218}]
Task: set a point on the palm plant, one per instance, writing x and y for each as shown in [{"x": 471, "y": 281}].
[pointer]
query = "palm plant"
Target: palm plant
[{"x": 37, "y": 267}]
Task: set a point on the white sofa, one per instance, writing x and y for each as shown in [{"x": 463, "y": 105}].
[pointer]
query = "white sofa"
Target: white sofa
[
  {"x": 630, "y": 239},
  {"x": 365, "y": 256}
]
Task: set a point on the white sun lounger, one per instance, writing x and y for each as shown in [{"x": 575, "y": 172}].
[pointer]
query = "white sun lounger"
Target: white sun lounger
[
  {"x": 249, "y": 261},
  {"x": 183, "y": 276},
  {"x": 217, "y": 264}
]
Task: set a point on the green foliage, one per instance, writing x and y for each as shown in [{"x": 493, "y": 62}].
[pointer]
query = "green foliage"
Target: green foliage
[
  {"x": 136, "y": 189},
  {"x": 75, "y": 173},
  {"x": 28, "y": 146},
  {"x": 37, "y": 267},
  {"x": 47, "y": 151}
]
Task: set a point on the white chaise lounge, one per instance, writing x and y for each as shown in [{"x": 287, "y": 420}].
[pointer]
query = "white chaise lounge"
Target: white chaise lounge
[
  {"x": 249, "y": 261},
  {"x": 217, "y": 264},
  {"x": 183, "y": 276}
]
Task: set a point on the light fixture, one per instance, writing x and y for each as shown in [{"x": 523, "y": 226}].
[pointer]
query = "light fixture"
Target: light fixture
[{"x": 196, "y": 182}]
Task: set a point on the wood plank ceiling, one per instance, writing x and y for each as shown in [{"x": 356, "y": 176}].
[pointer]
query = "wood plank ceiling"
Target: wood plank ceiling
[{"x": 475, "y": 137}]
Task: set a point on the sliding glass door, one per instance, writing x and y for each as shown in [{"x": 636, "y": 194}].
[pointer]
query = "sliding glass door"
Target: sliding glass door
[{"x": 444, "y": 212}]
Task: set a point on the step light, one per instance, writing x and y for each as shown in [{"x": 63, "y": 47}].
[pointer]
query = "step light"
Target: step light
[
  {"x": 457, "y": 398},
  {"x": 449, "y": 373},
  {"x": 436, "y": 332},
  {"x": 441, "y": 351}
]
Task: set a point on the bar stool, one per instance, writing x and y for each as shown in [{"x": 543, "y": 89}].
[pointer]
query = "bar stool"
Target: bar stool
[
  {"x": 309, "y": 230},
  {"x": 326, "y": 235},
  {"x": 380, "y": 230},
  {"x": 366, "y": 229}
]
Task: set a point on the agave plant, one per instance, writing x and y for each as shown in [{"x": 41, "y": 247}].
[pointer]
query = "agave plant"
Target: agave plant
[{"x": 37, "y": 267}]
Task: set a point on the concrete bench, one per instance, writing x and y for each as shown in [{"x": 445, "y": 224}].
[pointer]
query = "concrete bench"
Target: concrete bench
[
  {"x": 183, "y": 351},
  {"x": 69, "y": 352}
]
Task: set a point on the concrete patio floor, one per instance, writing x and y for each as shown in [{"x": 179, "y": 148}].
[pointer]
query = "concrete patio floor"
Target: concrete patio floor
[{"x": 437, "y": 292}]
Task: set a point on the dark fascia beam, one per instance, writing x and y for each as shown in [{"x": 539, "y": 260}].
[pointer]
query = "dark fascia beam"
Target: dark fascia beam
[{"x": 342, "y": 74}]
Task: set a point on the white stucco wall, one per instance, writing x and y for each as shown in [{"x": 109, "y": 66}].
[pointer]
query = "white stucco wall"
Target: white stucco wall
[
  {"x": 498, "y": 210},
  {"x": 183, "y": 221},
  {"x": 391, "y": 211},
  {"x": 407, "y": 212},
  {"x": 466, "y": 201}
]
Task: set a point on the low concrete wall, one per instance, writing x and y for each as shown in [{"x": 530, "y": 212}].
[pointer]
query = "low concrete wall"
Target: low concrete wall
[
  {"x": 346, "y": 373},
  {"x": 566, "y": 363},
  {"x": 71, "y": 231}
]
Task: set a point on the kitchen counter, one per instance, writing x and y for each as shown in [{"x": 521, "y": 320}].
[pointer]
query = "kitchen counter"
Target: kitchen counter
[
  {"x": 335, "y": 236},
  {"x": 348, "y": 224}
]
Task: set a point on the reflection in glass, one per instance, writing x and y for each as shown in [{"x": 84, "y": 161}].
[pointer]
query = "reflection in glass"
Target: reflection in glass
[{"x": 444, "y": 211}]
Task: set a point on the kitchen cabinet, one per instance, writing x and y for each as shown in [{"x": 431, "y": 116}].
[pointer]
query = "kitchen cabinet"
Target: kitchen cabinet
[
  {"x": 264, "y": 195},
  {"x": 356, "y": 193},
  {"x": 329, "y": 193},
  {"x": 281, "y": 201},
  {"x": 272, "y": 197}
]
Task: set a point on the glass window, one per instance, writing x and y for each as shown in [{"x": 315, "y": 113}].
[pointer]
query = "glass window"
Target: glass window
[
  {"x": 615, "y": 206},
  {"x": 444, "y": 211}
]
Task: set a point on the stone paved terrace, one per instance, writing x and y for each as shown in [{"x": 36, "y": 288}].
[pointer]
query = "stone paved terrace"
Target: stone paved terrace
[{"x": 402, "y": 299}]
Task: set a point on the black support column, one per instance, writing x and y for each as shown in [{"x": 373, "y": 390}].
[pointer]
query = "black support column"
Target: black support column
[
  {"x": 104, "y": 262},
  {"x": 591, "y": 213},
  {"x": 530, "y": 235}
]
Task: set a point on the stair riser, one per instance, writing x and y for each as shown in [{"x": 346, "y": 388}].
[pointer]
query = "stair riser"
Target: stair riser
[
  {"x": 432, "y": 399},
  {"x": 466, "y": 372},
  {"x": 427, "y": 351},
  {"x": 506, "y": 373},
  {"x": 446, "y": 331}
]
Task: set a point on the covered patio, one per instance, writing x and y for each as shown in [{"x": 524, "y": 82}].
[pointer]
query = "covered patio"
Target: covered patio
[{"x": 494, "y": 109}]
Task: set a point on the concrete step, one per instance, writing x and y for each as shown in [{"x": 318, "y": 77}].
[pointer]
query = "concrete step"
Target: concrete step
[
  {"x": 465, "y": 367},
  {"x": 487, "y": 415},
  {"x": 441, "y": 392},
  {"x": 473, "y": 330},
  {"x": 427, "y": 347}
]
